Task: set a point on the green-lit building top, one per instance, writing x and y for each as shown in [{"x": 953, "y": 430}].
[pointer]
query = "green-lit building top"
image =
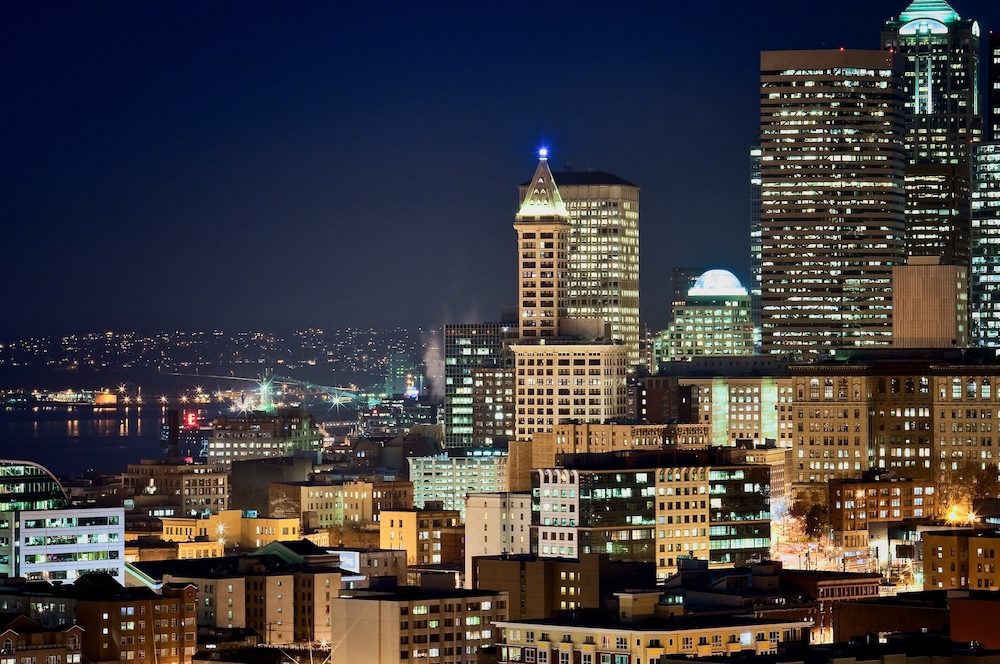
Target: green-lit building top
[{"x": 28, "y": 486}]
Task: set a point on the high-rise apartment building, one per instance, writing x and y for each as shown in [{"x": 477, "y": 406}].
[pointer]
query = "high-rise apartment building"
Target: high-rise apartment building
[
  {"x": 602, "y": 253},
  {"x": 492, "y": 405},
  {"x": 993, "y": 94},
  {"x": 468, "y": 347},
  {"x": 832, "y": 197},
  {"x": 943, "y": 123},
  {"x": 985, "y": 274}
]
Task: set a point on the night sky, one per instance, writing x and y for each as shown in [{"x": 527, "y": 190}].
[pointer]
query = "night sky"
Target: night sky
[{"x": 286, "y": 165}]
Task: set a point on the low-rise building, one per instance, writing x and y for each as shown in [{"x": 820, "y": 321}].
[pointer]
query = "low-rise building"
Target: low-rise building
[
  {"x": 640, "y": 631},
  {"x": 279, "y": 433},
  {"x": 496, "y": 524},
  {"x": 122, "y": 624},
  {"x": 42, "y": 538},
  {"x": 430, "y": 536},
  {"x": 63, "y": 544},
  {"x": 196, "y": 489},
  {"x": 414, "y": 623},
  {"x": 25, "y": 640},
  {"x": 449, "y": 477},
  {"x": 148, "y": 548},
  {"x": 856, "y": 504},
  {"x": 539, "y": 587},
  {"x": 234, "y": 528},
  {"x": 961, "y": 558},
  {"x": 321, "y": 504}
]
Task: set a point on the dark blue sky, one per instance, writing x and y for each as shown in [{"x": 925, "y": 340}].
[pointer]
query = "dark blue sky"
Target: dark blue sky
[{"x": 277, "y": 165}]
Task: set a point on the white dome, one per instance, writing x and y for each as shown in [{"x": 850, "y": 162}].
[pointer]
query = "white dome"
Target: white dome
[{"x": 717, "y": 283}]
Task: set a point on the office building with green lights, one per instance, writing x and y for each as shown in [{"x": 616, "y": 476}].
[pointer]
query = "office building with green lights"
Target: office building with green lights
[
  {"x": 43, "y": 538},
  {"x": 944, "y": 122},
  {"x": 471, "y": 348},
  {"x": 659, "y": 506}
]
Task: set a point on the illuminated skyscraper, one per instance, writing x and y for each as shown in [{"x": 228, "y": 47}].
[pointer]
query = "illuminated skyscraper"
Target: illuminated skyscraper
[
  {"x": 943, "y": 123},
  {"x": 559, "y": 352},
  {"x": 832, "y": 221},
  {"x": 543, "y": 227},
  {"x": 755, "y": 247},
  {"x": 986, "y": 218},
  {"x": 602, "y": 250}
]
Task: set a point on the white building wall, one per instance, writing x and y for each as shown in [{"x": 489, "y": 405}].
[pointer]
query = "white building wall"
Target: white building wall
[
  {"x": 559, "y": 509},
  {"x": 496, "y": 523},
  {"x": 64, "y": 544}
]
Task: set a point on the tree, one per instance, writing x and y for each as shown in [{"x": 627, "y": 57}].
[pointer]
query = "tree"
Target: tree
[{"x": 814, "y": 516}]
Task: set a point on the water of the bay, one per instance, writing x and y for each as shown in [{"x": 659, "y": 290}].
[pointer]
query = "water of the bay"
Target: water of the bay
[{"x": 71, "y": 440}]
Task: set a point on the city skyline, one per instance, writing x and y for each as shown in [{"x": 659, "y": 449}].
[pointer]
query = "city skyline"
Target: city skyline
[{"x": 213, "y": 168}]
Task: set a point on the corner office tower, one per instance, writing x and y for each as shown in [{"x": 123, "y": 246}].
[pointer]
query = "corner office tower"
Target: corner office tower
[
  {"x": 943, "y": 124},
  {"x": 832, "y": 222}
]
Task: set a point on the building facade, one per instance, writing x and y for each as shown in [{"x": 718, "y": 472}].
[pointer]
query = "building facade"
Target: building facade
[
  {"x": 641, "y": 636},
  {"x": 653, "y": 506},
  {"x": 986, "y": 216},
  {"x": 263, "y": 434},
  {"x": 832, "y": 217},
  {"x": 856, "y": 504},
  {"x": 714, "y": 318},
  {"x": 930, "y": 304},
  {"x": 195, "y": 488},
  {"x": 493, "y": 405},
  {"x": 922, "y": 414},
  {"x": 469, "y": 348},
  {"x": 496, "y": 524},
  {"x": 944, "y": 122},
  {"x": 568, "y": 381},
  {"x": 448, "y": 478},
  {"x": 415, "y": 623},
  {"x": 602, "y": 251},
  {"x": 431, "y": 536},
  {"x": 539, "y": 587}
]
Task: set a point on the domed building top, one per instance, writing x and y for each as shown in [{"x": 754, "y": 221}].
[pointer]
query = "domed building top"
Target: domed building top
[{"x": 717, "y": 283}]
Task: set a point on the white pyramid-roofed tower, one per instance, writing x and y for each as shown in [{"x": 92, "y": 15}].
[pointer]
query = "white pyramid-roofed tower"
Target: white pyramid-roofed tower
[
  {"x": 542, "y": 226},
  {"x": 543, "y": 199}
]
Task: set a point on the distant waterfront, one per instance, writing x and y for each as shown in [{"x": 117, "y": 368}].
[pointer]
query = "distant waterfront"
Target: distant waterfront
[{"x": 71, "y": 440}]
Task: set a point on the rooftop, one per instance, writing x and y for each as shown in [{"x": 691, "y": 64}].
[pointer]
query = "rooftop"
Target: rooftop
[
  {"x": 571, "y": 178},
  {"x": 717, "y": 283},
  {"x": 939, "y": 10},
  {"x": 416, "y": 593},
  {"x": 604, "y": 619}
]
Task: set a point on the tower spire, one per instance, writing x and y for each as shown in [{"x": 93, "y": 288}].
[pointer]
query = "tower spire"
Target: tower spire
[{"x": 542, "y": 200}]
